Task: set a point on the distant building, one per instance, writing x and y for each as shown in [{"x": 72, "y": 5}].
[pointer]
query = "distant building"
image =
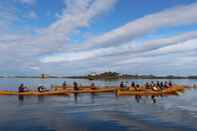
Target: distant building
[
  {"x": 93, "y": 74},
  {"x": 44, "y": 76}
]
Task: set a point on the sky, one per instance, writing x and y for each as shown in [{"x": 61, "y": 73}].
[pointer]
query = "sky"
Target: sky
[{"x": 77, "y": 37}]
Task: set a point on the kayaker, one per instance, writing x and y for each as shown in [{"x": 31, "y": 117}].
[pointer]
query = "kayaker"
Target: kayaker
[
  {"x": 93, "y": 86},
  {"x": 127, "y": 84},
  {"x": 154, "y": 88},
  {"x": 170, "y": 83},
  {"x": 121, "y": 84},
  {"x": 75, "y": 85},
  {"x": 158, "y": 84},
  {"x": 147, "y": 86},
  {"x": 152, "y": 84},
  {"x": 133, "y": 84},
  {"x": 21, "y": 88},
  {"x": 41, "y": 88},
  {"x": 64, "y": 85},
  {"x": 166, "y": 84},
  {"x": 161, "y": 85},
  {"x": 137, "y": 87}
]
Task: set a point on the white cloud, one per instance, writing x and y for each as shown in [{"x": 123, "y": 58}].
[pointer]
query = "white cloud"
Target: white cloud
[
  {"x": 159, "y": 54},
  {"x": 77, "y": 14},
  {"x": 118, "y": 50},
  {"x": 157, "y": 46},
  {"x": 22, "y": 48},
  {"x": 182, "y": 47},
  {"x": 178, "y": 16}
]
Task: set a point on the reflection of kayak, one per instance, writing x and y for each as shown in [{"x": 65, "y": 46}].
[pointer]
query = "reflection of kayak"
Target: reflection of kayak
[
  {"x": 34, "y": 93},
  {"x": 174, "y": 90}
]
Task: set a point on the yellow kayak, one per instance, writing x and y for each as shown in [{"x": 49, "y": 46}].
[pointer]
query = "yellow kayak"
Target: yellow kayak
[{"x": 174, "y": 90}]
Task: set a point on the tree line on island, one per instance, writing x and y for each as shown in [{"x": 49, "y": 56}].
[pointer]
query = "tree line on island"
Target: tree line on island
[{"x": 114, "y": 76}]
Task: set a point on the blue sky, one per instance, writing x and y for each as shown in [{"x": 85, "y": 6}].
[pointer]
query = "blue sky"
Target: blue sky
[{"x": 72, "y": 37}]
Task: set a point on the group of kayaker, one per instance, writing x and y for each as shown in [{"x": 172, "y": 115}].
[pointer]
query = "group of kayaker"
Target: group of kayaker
[
  {"x": 159, "y": 85},
  {"x": 22, "y": 88},
  {"x": 76, "y": 85},
  {"x": 148, "y": 85}
]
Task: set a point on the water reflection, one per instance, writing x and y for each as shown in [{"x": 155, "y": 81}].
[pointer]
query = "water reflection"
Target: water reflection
[
  {"x": 93, "y": 98},
  {"x": 154, "y": 99},
  {"x": 113, "y": 113},
  {"x": 20, "y": 99},
  {"x": 80, "y": 98},
  {"x": 76, "y": 97},
  {"x": 41, "y": 99},
  {"x": 138, "y": 98}
]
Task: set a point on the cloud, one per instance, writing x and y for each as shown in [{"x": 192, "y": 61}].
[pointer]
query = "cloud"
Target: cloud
[
  {"x": 23, "y": 47},
  {"x": 156, "y": 47},
  {"x": 174, "y": 52},
  {"x": 118, "y": 49},
  {"x": 177, "y": 16},
  {"x": 183, "y": 47},
  {"x": 77, "y": 14},
  {"x": 160, "y": 54}
]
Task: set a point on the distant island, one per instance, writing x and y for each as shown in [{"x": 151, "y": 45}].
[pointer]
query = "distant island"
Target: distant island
[
  {"x": 116, "y": 76},
  {"x": 106, "y": 76}
]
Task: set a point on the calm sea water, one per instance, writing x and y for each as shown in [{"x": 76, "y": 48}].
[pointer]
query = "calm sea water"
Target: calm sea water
[{"x": 101, "y": 112}]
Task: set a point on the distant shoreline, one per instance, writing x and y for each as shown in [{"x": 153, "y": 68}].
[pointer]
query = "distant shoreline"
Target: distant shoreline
[
  {"x": 130, "y": 78},
  {"x": 122, "y": 77}
]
